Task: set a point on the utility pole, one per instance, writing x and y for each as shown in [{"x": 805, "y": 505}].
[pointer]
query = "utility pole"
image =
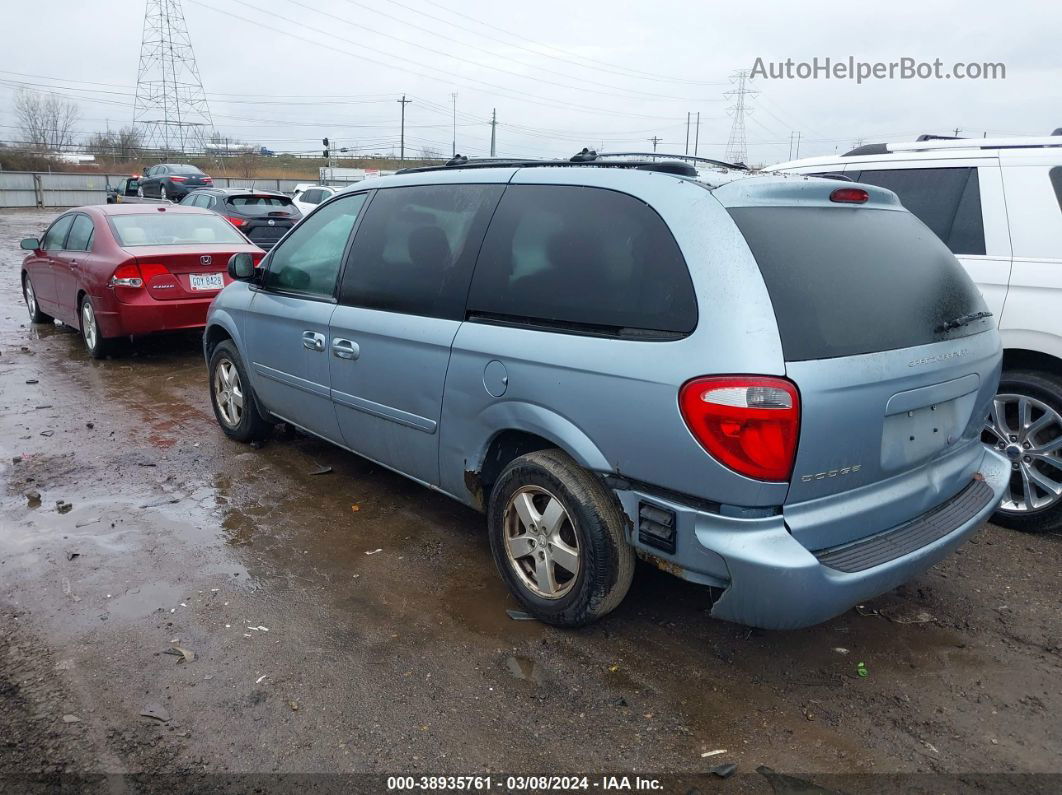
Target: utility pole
[
  {"x": 687, "y": 132},
  {"x": 737, "y": 147},
  {"x": 402, "y": 137},
  {"x": 697, "y": 137},
  {"x": 453, "y": 98},
  {"x": 655, "y": 140},
  {"x": 956, "y": 132},
  {"x": 798, "y": 144},
  {"x": 493, "y": 129}
]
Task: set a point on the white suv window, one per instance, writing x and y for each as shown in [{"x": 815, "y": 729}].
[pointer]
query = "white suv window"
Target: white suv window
[{"x": 947, "y": 200}]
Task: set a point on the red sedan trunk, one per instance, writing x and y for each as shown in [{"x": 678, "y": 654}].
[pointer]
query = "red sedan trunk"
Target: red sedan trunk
[{"x": 143, "y": 269}]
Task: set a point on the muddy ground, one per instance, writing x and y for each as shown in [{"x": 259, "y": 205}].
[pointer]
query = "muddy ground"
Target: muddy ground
[{"x": 353, "y": 622}]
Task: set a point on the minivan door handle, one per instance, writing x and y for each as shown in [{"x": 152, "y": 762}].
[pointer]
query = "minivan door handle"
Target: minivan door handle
[
  {"x": 345, "y": 349},
  {"x": 311, "y": 340}
]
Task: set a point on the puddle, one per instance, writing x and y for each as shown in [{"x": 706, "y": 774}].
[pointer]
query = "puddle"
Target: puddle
[{"x": 525, "y": 668}]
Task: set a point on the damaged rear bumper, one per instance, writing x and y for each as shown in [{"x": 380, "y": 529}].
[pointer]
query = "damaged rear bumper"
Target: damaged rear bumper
[{"x": 771, "y": 580}]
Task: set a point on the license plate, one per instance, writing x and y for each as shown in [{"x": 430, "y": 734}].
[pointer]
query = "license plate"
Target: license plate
[{"x": 207, "y": 281}]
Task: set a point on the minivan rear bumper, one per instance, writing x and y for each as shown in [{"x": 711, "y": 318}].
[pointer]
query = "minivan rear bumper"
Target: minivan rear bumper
[{"x": 771, "y": 580}]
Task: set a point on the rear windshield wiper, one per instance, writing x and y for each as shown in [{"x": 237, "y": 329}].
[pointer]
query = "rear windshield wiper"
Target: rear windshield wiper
[{"x": 963, "y": 320}]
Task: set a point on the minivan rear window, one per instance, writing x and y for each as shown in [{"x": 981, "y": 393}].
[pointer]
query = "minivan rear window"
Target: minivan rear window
[{"x": 850, "y": 281}]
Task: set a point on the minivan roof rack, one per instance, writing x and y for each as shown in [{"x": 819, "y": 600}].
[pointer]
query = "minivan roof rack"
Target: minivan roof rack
[{"x": 664, "y": 163}]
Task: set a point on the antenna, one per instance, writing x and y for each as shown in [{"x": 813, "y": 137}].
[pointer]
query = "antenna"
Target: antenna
[
  {"x": 737, "y": 147},
  {"x": 170, "y": 106}
]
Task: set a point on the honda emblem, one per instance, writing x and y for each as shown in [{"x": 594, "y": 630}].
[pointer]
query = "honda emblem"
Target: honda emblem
[{"x": 206, "y": 259}]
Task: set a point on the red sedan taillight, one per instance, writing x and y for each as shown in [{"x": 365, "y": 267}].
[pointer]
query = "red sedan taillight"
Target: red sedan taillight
[
  {"x": 748, "y": 423},
  {"x": 131, "y": 277},
  {"x": 178, "y": 179},
  {"x": 239, "y": 223}
]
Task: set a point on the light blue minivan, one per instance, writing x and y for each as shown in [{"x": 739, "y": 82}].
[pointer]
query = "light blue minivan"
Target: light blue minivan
[{"x": 770, "y": 385}]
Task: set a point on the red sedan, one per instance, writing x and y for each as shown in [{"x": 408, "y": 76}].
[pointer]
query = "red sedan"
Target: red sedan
[{"x": 122, "y": 270}]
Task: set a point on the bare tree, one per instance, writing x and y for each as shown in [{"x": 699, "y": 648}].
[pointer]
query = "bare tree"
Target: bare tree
[
  {"x": 430, "y": 153},
  {"x": 119, "y": 145},
  {"x": 45, "y": 121}
]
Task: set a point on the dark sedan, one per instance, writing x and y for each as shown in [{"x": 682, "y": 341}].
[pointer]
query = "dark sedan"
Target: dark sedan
[
  {"x": 172, "y": 181},
  {"x": 264, "y": 216}
]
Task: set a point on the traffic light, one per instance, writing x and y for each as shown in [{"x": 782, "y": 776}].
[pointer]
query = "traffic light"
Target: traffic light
[{"x": 325, "y": 142}]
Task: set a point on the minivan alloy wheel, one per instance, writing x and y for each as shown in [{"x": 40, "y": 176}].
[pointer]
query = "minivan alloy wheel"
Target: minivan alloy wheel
[
  {"x": 540, "y": 542},
  {"x": 228, "y": 392},
  {"x": 1029, "y": 433}
]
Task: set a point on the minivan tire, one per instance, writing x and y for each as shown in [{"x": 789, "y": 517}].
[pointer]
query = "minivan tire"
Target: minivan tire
[
  {"x": 1046, "y": 388},
  {"x": 606, "y": 560},
  {"x": 250, "y": 425}
]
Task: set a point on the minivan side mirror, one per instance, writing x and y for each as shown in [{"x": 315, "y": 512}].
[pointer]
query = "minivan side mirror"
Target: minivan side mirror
[
  {"x": 30, "y": 243},
  {"x": 241, "y": 267}
]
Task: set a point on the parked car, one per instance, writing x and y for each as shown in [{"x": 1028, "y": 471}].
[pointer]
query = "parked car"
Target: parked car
[
  {"x": 306, "y": 196},
  {"x": 121, "y": 270},
  {"x": 997, "y": 204},
  {"x": 126, "y": 188},
  {"x": 769, "y": 385},
  {"x": 172, "y": 181},
  {"x": 264, "y": 216}
]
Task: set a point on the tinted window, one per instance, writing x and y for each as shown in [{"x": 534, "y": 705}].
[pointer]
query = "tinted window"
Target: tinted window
[
  {"x": 309, "y": 258},
  {"x": 947, "y": 200},
  {"x": 1056, "y": 183},
  {"x": 54, "y": 237},
  {"x": 173, "y": 229},
  {"x": 850, "y": 281},
  {"x": 570, "y": 255},
  {"x": 80, "y": 237},
  {"x": 416, "y": 248},
  {"x": 191, "y": 170},
  {"x": 259, "y": 201},
  {"x": 311, "y": 197}
]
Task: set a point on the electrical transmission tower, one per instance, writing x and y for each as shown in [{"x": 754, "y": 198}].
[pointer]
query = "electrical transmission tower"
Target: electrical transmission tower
[
  {"x": 170, "y": 108},
  {"x": 737, "y": 146}
]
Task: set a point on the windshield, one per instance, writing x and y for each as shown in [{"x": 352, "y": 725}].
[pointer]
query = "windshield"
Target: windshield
[
  {"x": 173, "y": 229},
  {"x": 845, "y": 282}
]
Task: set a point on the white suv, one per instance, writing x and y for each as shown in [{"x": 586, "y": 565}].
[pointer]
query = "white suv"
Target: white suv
[
  {"x": 307, "y": 196},
  {"x": 997, "y": 204}
]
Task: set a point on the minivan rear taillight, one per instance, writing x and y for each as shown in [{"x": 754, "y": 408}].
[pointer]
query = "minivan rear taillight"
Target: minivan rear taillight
[{"x": 748, "y": 423}]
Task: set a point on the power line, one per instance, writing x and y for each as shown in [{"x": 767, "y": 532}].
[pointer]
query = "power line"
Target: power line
[
  {"x": 569, "y": 58},
  {"x": 435, "y": 73},
  {"x": 584, "y": 85}
]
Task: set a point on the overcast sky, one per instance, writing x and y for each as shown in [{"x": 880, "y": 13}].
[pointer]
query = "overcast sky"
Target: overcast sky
[{"x": 284, "y": 73}]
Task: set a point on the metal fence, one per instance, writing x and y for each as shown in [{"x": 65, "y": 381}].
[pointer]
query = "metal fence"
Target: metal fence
[{"x": 44, "y": 189}]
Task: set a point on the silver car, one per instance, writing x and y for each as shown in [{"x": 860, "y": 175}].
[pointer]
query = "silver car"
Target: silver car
[{"x": 770, "y": 385}]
